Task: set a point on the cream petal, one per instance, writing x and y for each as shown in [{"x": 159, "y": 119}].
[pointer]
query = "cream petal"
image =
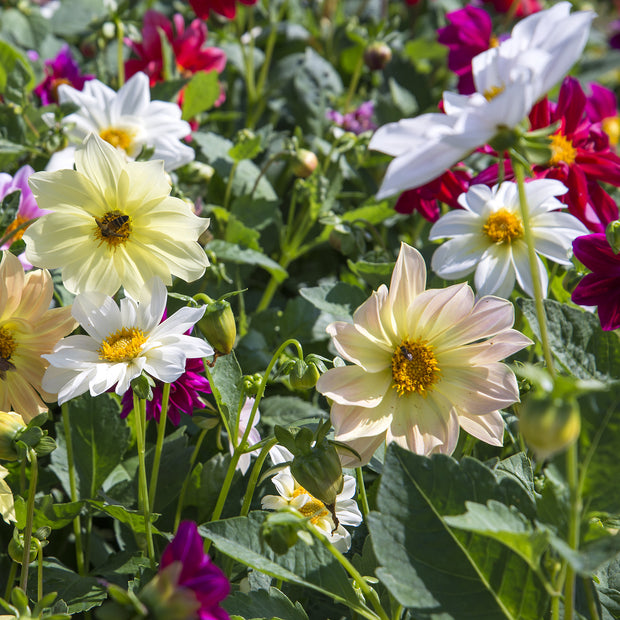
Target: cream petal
[
  {"x": 364, "y": 446},
  {"x": 352, "y": 385},
  {"x": 348, "y": 512},
  {"x": 11, "y": 284},
  {"x": 353, "y": 422},
  {"x": 496, "y": 348},
  {"x": 488, "y": 428},
  {"x": 348, "y": 489},
  {"x": 368, "y": 318},
  {"x": 357, "y": 347},
  {"x": 101, "y": 163}
]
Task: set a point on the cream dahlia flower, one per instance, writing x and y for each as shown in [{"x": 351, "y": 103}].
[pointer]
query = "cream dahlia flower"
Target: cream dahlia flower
[
  {"x": 425, "y": 363},
  {"x": 122, "y": 343},
  {"x": 28, "y": 329},
  {"x": 7, "y": 505},
  {"x": 112, "y": 223}
]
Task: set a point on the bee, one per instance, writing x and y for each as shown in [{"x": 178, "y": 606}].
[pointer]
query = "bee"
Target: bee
[
  {"x": 110, "y": 228},
  {"x": 4, "y": 366},
  {"x": 406, "y": 352}
]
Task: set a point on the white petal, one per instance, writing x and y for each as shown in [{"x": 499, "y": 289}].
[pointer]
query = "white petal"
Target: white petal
[
  {"x": 488, "y": 428},
  {"x": 351, "y": 385}
]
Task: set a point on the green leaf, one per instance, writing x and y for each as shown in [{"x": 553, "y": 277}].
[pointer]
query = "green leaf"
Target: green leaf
[
  {"x": 239, "y": 233},
  {"x": 257, "y": 214},
  {"x": 74, "y": 16},
  {"x": 436, "y": 570},
  {"x": 577, "y": 340},
  {"x": 9, "y": 58},
  {"x": 338, "y": 299},
  {"x": 100, "y": 439},
  {"x": 374, "y": 274},
  {"x": 55, "y": 516},
  {"x": 233, "y": 253},
  {"x": 590, "y": 556},
  {"x": 264, "y": 604},
  {"x": 310, "y": 566},
  {"x": 133, "y": 518},
  {"x": 247, "y": 148},
  {"x": 289, "y": 410},
  {"x": 200, "y": 94},
  {"x": 227, "y": 387}
]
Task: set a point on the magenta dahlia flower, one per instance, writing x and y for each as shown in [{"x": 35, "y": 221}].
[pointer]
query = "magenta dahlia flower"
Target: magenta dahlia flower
[
  {"x": 600, "y": 288},
  {"x": 602, "y": 108},
  {"x": 227, "y": 8},
  {"x": 468, "y": 33},
  {"x": 184, "y": 394},
  {"x": 60, "y": 70},
  {"x": 187, "y": 44}
]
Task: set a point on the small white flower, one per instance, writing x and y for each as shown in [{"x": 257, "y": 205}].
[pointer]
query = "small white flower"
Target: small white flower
[
  {"x": 253, "y": 437},
  {"x": 127, "y": 119},
  {"x": 487, "y": 236},
  {"x": 294, "y": 495},
  {"x": 509, "y": 79},
  {"x": 122, "y": 343}
]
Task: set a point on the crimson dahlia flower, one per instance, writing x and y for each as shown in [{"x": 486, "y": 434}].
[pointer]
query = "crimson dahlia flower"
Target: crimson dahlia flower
[{"x": 227, "y": 8}]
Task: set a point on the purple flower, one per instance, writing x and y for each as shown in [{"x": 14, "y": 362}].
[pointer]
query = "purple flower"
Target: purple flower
[
  {"x": 614, "y": 34},
  {"x": 601, "y": 287},
  {"x": 358, "y": 121},
  {"x": 197, "y": 574},
  {"x": 27, "y": 209},
  {"x": 60, "y": 70},
  {"x": 183, "y": 394}
]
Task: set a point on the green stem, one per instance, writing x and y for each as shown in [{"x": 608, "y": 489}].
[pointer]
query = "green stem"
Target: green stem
[
  {"x": 239, "y": 450},
  {"x": 355, "y": 78},
  {"x": 11, "y": 581},
  {"x": 40, "y": 569},
  {"x": 258, "y": 465},
  {"x": 139, "y": 409},
  {"x": 34, "y": 475},
  {"x": 119, "y": 52},
  {"x": 572, "y": 474},
  {"x": 361, "y": 489},
  {"x": 77, "y": 522},
  {"x": 588, "y": 587},
  {"x": 161, "y": 432},
  {"x": 362, "y": 584},
  {"x": 229, "y": 184},
  {"x": 555, "y": 608},
  {"x": 192, "y": 461},
  {"x": 531, "y": 254}
]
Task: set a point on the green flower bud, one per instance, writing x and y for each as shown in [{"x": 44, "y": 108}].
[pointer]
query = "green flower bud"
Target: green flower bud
[
  {"x": 304, "y": 164},
  {"x": 280, "y": 530},
  {"x": 217, "y": 325},
  {"x": 251, "y": 383},
  {"x": 319, "y": 471},
  {"x": 303, "y": 376},
  {"x": 16, "y": 548},
  {"x": 141, "y": 387},
  {"x": 612, "y": 233},
  {"x": 377, "y": 55},
  {"x": 11, "y": 424},
  {"x": 549, "y": 425}
]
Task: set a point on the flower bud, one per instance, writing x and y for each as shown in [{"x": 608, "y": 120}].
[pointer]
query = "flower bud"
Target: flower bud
[
  {"x": 141, "y": 387},
  {"x": 305, "y": 163},
  {"x": 280, "y": 531},
  {"x": 251, "y": 383},
  {"x": 319, "y": 471},
  {"x": 11, "y": 424},
  {"x": 16, "y": 548},
  {"x": 377, "y": 55},
  {"x": 549, "y": 425},
  {"x": 303, "y": 376},
  {"x": 165, "y": 600},
  {"x": 217, "y": 325},
  {"x": 612, "y": 233}
]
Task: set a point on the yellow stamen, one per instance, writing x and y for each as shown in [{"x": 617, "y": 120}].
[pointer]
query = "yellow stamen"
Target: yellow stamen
[
  {"x": 7, "y": 348},
  {"x": 56, "y": 83},
  {"x": 493, "y": 41},
  {"x": 114, "y": 228},
  {"x": 120, "y": 138},
  {"x": 492, "y": 92},
  {"x": 313, "y": 508},
  {"x": 414, "y": 368},
  {"x": 611, "y": 126},
  {"x": 503, "y": 227},
  {"x": 562, "y": 150},
  {"x": 123, "y": 345},
  {"x": 16, "y": 223}
]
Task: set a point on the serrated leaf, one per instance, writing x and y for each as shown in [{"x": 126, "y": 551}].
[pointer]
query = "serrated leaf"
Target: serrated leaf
[
  {"x": 577, "y": 340},
  {"x": 338, "y": 299},
  {"x": 434, "y": 569},
  {"x": 233, "y": 253},
  {"x": 200, "y": 94},
  {"x": 247, "y": 148}
]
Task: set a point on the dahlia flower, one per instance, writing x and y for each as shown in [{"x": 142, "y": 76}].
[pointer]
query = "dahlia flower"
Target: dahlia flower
[
  {"x": 524, "y": 7},
  {"x": 28, "y": 329},
  {"x": 253, "y": 436},
  {"x": 486, "y": 236},
  {"x": 424, "y": 364},
  {"x": 112, "y": 223},
  {"x": 7, "y": 505},
  {"x": 122, "y": 343},
  {"x": 227, "y": 8},
  {"x": 602, "y": 107}
]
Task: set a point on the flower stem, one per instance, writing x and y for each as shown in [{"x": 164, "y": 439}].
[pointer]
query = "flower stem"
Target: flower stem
[
  {"x": 139, "y": 409},
  {"x": 40, "y": 569},
  {"x": 531, "y": 254},
  {"x": 361, "y": 488},
  {"x": 572, "y": 474},
  {"x": 161, "y": 432},
  {"x": 120, "y": 31},
  {"x": 9, "y": 583},
  {"x": 192, "y": 461},
  {"x": 229, "y": 184},
  {"x": 34, "y": 475},
  {"x": 77, "y": 522},
  {"x": 258, "y": 465},
  {"x": 355, "y": 78}
]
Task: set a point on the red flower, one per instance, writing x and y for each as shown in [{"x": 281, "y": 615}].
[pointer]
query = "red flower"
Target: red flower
[
  {"x": 525, "y": 7},
  {"x": 227, "y": 8},
  {"x": 187, "y": 45}
]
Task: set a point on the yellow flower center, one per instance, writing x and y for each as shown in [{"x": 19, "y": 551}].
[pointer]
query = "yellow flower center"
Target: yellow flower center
[
  {"x": 120, "y": 138},
  {"x": 493, "y": 41},
  {"x": 314, "y": 508},
  {"x": 611, "y": 126},
  {"x": 492, "y": 92},
  {"x": 123, "y": 345},
  {"x": 114, "y": 228},
  {"x": 503, "y": 227},
  {"x": 7, "y": 348},
  {"x": 56, "y": 83},
  {"x": 562, "y": 150},
  {"x": 414, "y": 368},
  {"x": 16, "y": 223}
]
